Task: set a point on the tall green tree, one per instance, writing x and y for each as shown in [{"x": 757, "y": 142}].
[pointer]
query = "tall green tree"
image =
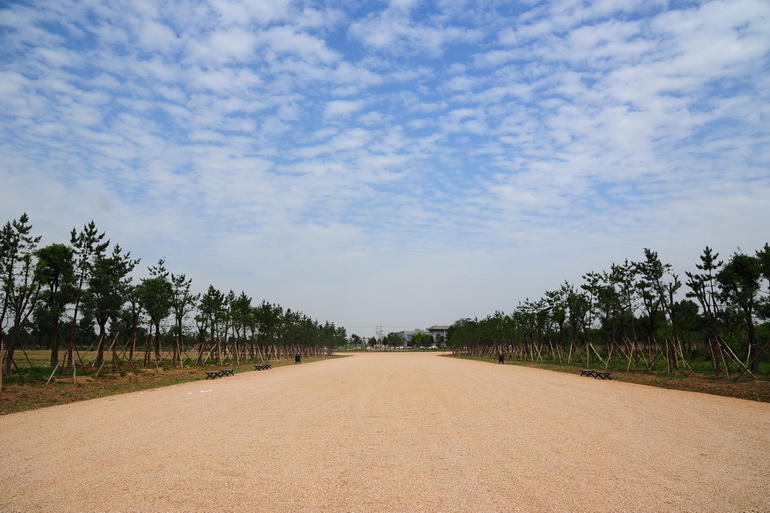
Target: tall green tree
[
  {"x": 211, "y": 311},
  {"x": 650, "y": 272},
  {"x": 739, "y": 281},
  {"x": 597, "y": 296},
  {"x": 156, "y": 298},
  {"x": 764, "y": 265},
  {"x": 657, "y": 298},
  {"x": 55, "y": 271},
  {"x": 88, "y": 244},
  {"x": 183, "y": 301},
  {"x": 129, "y": 318},
  {"x": 578, "y": 308},
  {"x": 703, "y": 287},
  {"x": 241, "y": 315},
  {"x": 290, "y": 329},
  {"x": 690, "y": 322},
  {"x": 108, "y": 283},
  {"x": 268, "y": 317},
  {"x": 19, "y": 287},
  {"x": 228, "y": 318},
  {"x": 623, "y": 279}
]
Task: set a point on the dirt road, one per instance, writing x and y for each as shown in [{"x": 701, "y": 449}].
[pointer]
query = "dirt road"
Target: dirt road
[{"x": 396, "y": 432}]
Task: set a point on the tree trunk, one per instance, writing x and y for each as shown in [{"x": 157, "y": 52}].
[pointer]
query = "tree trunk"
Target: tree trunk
[
  {"x": 115, "y": 362},
  {"x": 11, "y": 347},
  {"x": 132, "y": 350},
  {"x": 201, "y": 349},
  {"x": 177, "y": 357},
  {"x": 70, "y": 355},
  {"x": 54, "y": 338},
  {"x": 147, "y": 349},
  {"x": 100, "y": 346},
  {"x": 753, "y": 362},
  {"x": 716, "y": 354},
  {"x": 157, "y": 342}
]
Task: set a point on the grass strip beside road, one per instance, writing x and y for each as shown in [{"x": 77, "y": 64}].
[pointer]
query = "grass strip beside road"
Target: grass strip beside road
[{"x": 750, "y": 389}]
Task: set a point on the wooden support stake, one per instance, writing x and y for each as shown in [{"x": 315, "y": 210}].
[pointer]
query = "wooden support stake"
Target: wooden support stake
[
  {"x": 746, "y": 368},
  {"x": 18, "y": 371},
  {"x": 98, "y": 340},
  {"x": 21, "y": 346},
  {"x": 54, "y": 372},
  {"x": 104, "y": 360},
  {"x": 598, "y": 355},
  {"x": 736, "y": 359},
  {"x": 721, "y": 354}
]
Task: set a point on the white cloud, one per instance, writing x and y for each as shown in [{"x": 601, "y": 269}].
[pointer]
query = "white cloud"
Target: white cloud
[
  {"x": 224, "y": 46},
  {"x": 158, "y": 37},
  {"x": 246, "y": 12},
  {"x": 393, "y": 31},
  {"x": 343, "y": 108},
  {"x": 462, "y": 83},
  {"x": 224, "y": 80},
  {"x": 285, "y": 40},
  {"x": 312, "y": 18},
  {"x": 350, "y": 139}
]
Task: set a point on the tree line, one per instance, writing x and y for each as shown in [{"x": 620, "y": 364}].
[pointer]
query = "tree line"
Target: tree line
[
  {"x": 67, "y": 297},
  {"x": 630, "y": 317}
]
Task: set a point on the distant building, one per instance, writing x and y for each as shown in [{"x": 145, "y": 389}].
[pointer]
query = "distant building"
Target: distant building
[
  {"x": 438, "y": 331},
  {"x": 434, "y": 332}
]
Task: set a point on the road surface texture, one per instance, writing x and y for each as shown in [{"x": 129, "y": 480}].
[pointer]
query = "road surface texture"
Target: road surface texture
[{"x": 395, "y": 432}]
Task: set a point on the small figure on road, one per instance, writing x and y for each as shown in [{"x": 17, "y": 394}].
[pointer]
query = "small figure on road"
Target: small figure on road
[{"x": 500, "y": 358}]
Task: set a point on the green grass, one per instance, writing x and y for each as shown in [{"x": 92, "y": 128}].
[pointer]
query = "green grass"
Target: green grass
[
  {"x": 706, "y": 382},
  {"x": 702, "y": 368}
]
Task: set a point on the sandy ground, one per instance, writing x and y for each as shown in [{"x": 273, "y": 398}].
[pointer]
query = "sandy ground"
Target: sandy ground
[{"x": 398, "y": 432}]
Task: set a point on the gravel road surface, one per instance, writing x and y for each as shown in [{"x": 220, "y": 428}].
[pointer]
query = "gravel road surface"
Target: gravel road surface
[{"x": 391, "y": 432}]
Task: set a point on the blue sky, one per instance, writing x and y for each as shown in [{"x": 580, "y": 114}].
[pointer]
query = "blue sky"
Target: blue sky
[{"x": 397, "y": 163}]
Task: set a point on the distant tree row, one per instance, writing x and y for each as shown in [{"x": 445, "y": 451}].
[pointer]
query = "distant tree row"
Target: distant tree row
[
  {"x": 418, "y": 340},
  {"x": 631, "y": 317},
  {"x": 395, "y": 340},
  {"x": 81, "y": 295}
]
